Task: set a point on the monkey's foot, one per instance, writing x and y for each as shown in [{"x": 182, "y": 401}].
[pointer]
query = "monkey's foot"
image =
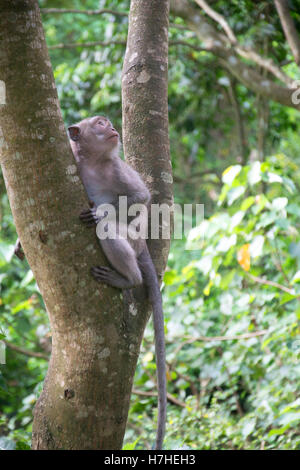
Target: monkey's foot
[
  {"x": 110, "y": 277},
  {"x": 89, "y": 217},
  {"x": 18, "y": 251}
]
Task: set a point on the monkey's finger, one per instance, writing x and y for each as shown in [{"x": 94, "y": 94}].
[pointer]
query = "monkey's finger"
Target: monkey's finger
[
  {"x": 87, "y": 211},
  {"x": 85, "y": 214}
]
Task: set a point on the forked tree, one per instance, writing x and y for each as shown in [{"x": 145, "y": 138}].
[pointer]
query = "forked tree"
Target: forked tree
[{"x": 96, "y": 334}]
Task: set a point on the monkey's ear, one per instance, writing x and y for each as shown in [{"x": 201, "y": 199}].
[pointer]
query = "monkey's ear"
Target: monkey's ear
[{"x": 74, "y": 132}]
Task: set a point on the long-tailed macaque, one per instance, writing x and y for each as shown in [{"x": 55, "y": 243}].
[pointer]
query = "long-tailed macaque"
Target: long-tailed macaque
[{"x": 95, "y": 144}]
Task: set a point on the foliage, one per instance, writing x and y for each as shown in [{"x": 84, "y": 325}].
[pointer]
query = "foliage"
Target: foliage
[{"x": 239, "y": 393}]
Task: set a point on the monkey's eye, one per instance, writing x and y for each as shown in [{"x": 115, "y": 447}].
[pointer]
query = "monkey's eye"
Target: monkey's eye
[{"x": 101, "y": 123}]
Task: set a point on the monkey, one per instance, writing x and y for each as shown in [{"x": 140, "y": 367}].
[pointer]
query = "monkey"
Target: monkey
[{"x": 105, "y": 176}]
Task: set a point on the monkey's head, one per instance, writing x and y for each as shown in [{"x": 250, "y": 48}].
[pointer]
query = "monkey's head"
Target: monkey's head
[{"x": 94, "y": 135}]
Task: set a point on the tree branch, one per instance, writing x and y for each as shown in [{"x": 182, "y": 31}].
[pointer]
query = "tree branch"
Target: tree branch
[
  {"x": 289, "y": 28},
  {"x": 266, "y": 63},
  {"x": 86, "y": 44},
  {"x": 59, "y": 11},
  {"x": 254, "y": 334},
  {"x": 170, "y": 397},
  {"x": 266, "y": 282},
  {"x": 73, "y": 45},
  {"x": 24, "y": 351},
  {"x": 53, "y": 11},
  {"x": 246, "y": 52},
  {"x": 213, "y": 42},
  {"x": 219, "y": 19},
  {"x": 217, "y": 43}
]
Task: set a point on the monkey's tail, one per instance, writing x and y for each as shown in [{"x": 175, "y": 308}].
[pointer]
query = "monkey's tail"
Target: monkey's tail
[{"x": 151, "y": 281}]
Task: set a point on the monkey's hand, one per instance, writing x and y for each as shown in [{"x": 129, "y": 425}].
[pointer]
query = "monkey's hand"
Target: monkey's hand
[
  {"x": 89, "y": 217},
  {"x": 18, "y": 251}
]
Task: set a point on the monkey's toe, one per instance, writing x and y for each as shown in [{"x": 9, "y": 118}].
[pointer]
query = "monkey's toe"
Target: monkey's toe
[{"x": 101, "y": 273}]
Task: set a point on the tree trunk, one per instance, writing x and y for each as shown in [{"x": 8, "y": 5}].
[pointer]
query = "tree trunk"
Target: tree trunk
[
  {"x": 289, "y": 28},
  {"x": 145, "y": 106},
  {"x": 96, "y": 334}
]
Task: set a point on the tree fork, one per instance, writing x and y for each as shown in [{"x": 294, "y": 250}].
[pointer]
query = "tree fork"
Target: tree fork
[{"x": 96, "y": 334}]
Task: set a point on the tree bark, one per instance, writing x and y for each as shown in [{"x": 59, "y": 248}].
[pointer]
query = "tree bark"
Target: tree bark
[
  {"x": 145, "y": 106},
  {"x": 96, "y": 334}
]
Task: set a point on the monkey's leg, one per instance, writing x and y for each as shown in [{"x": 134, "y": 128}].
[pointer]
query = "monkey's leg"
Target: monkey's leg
[{"x": 121, "y": 256}]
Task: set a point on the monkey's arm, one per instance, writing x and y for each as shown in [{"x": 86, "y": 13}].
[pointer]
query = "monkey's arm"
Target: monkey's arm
[
  {"x": 125, "y": 181},
  {"x": 141, "y": 197},
  {"x": 131, "y": 185}
]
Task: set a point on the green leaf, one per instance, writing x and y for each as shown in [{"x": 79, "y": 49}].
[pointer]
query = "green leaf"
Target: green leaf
[
  {"x": 230, "y": 174},
  {"x": 248, "y": 202},
  {"x": 27, "y": 279},
  {"x": 274, "y": 178},
  {"x": 256, "y": 246},
  {"x": 248, "y": 428},
  {"x": 22, "y": 445},
  {"x": 236, "y": 219},
  {"x": 226, "y": 242},
  {"x": 287, "y": 298},
  {"x": 234, "y": 194},
  {"x": 279, "y": 203},
  {"x": 131, "y": 446},
  {"x": 227, "y": 279},
  {"x": 254, "y": 175},
  {"x": 170, "y": 277},
  {"x": 296, "y": 278},
  {"x": 278, "y": 432}
]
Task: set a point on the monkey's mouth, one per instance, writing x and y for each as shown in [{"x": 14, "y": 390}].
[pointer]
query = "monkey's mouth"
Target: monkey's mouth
[{"x": 112, "y": 136}]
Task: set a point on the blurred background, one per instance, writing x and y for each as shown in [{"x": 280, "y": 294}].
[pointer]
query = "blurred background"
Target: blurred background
[{"x": 232, "y": 304}]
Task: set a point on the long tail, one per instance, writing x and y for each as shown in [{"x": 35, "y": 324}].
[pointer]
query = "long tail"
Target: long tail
[{"x": 151, "y": 281}]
